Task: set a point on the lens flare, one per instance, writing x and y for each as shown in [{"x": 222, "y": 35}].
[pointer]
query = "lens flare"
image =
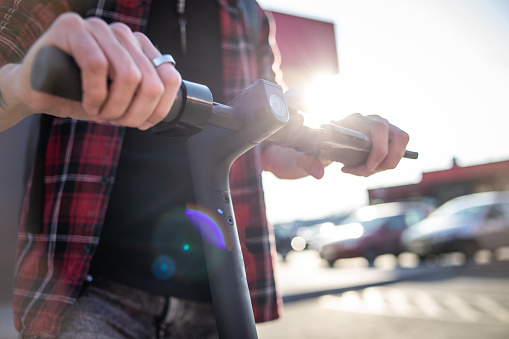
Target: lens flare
[
  {"x": 163, "y": 267},
  {"x": 207, "y": 227}
]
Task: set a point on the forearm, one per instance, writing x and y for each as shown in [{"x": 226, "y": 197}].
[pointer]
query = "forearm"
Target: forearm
[
  {"x": 22, "y": 24},
  {"x": 12, "y": 107}
]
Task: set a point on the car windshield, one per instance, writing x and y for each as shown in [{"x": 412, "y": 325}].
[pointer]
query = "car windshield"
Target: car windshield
[
  {"x": 460, "y": 215},
  {"x": 368, "y": 225},
  {"x": 372, "y": 225}
]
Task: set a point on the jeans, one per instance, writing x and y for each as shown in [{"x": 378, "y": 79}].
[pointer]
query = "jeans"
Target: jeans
[{"x": 108, "y": 310}]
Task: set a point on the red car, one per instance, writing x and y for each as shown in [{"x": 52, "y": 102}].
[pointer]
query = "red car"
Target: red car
[{"x": 371, "y": 231}]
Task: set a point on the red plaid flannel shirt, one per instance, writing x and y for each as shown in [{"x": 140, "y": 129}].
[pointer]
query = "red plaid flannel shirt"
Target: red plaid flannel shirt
[{"x": 81, "y": 161}]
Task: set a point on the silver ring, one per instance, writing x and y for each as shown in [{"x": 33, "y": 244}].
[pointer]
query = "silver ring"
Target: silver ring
[{"x": 162, "y": 59}]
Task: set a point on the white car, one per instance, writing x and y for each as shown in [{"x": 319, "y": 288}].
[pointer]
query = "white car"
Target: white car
[{"x": 464, "y": 224}]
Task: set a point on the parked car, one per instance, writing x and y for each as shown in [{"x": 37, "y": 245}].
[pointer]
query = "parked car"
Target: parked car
[
  {"x": 314, "y": 233},
  {"x": 370, "y": 231},
  {"x": 309, "y": 233},
  {"x": 283, "y": 241},
  {"x": 464, "y": 224}
]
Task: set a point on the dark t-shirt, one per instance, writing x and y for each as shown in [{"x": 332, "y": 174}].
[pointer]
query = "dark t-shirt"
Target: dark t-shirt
[{"x": 147, "y": 241}]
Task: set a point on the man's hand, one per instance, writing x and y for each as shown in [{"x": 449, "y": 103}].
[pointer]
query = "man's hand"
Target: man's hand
[
  {"x": 138, "y": 95},
  {"x": 389, "y": 143}
]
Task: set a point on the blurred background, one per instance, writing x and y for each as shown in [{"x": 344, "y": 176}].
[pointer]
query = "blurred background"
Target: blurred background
[{"x": 437, "y": 69}]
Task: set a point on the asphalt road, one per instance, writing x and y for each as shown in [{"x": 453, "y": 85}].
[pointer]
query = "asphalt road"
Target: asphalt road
[
  {"x": 390, "y": 301},
  {"x": 448, "y": 301}
]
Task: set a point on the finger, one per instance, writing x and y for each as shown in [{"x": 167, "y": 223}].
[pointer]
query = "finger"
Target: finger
[
  {"x": 311, "y": 165},
  {"x": 398, "y": 140},
  {"x": 150, "y": 88},
  {"x": 70, "y": 33},
  {"x": 379, "y": 135},
  {"x": 354, "y": 121},
  {"x": 123, "y": 70},
  {"x": 169, "y": 77},
  {"x": 361, "y": 171},
  {"x": 377, "y": 130},
  {"x": 373, "y": 127}
]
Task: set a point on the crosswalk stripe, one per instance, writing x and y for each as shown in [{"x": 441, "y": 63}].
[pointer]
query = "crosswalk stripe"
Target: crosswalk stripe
[
  {"x": 461, "y": 308},
  {"x": 428, "y": 305},
  {"x": 445, "y": 306},
  {"x": 351, "y": 300},
  {"x": 399, "y": 302},
  {"x": 374, "y": 300},
  {"x": 493, "y": 308}
]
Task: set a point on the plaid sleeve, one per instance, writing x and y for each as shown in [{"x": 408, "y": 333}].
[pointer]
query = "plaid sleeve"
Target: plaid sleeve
[
  {"x": 267, "y": 52},
  {"x": 22, "y": 22}
]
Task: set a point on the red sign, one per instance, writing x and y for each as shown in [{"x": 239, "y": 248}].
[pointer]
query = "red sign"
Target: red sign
[{"x": 307, "y": 48}]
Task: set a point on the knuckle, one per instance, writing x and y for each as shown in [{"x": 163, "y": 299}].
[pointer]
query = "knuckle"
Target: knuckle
[
  {"x": 174, "y": 80},
  {"x": 69, "y": 20},
  {"x": 120, "y": 29},
  {"x": 96, "y": 63},
  {"x": 405, "y": 138},
  {"x": 130, "y": 76},
  {"x": 399, "y": 137},
  {"x": 141, "y": 37},
  {"x": 355, "y": 117},
  {"x": 154, "y": 89},
  {"x": 96, "y": 22},
  {"x": 380, "y": 125},
  {"x": 95, "y": 97}
]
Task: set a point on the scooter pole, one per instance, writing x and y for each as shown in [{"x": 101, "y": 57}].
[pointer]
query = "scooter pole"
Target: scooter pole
[{"x": 211, "y": 154}]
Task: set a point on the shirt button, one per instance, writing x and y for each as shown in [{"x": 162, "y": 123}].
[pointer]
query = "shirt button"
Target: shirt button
[{"x": 89, "y": 278}]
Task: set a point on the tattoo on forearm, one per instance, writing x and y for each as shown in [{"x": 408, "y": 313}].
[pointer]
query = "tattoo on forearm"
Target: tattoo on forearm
[{"x": 3, "y": 104}]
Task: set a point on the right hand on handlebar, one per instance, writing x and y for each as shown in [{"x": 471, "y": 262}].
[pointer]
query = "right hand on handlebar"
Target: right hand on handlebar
[{"x": 120, "y": 84}]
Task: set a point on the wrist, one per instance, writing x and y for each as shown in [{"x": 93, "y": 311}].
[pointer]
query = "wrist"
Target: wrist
[{"x": 13, "y": 105}]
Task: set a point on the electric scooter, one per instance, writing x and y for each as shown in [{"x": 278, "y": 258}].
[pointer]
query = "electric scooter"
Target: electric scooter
[{"x": 219, "y": 135}]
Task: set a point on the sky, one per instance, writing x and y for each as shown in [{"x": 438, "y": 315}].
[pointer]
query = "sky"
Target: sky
[{"x": 438, "y": 69}]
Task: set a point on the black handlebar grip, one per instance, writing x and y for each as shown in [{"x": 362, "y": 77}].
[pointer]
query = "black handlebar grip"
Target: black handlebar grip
[{"x": 55, "y": 72}]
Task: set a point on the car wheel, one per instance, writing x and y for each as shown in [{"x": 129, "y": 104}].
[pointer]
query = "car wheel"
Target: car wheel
[
  {"x": 370, "y": 256},
  {"x": 469, "y": 249},
  {"x": 422, "y": 259}
]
